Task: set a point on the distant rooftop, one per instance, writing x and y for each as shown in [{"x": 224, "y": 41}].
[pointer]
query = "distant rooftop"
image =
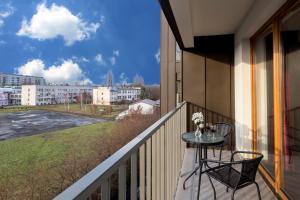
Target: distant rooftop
[
  {"x": 148, "y": 101},
  {"x": 1, "y": 73}
]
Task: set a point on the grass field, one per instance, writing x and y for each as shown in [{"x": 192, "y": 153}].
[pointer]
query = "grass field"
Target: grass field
[
  {"x": 86, "y": 110},
  {"x": 48, "y": 149}
]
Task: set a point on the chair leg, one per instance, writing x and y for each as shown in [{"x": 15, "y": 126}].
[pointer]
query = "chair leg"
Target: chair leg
[
  {"x": 227, "y": 189},
  {"x": 196, "y": 154},
  {"x": 214, "y": 152},
  {"x": 258, "y": 190},
  {"x": 212, "y": 185},
  {"x": 232, "y": 196},
  {"x": 220, "y": 155}
]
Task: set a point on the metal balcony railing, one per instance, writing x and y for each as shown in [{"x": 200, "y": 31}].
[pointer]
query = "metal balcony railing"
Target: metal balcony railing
[{"x": 155, "y": 158}]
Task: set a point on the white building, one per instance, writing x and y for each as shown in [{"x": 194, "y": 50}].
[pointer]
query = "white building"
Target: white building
[
  {"x": 145, "y": 107},
  {"x": 52, "y": 94},
  {"x": 18, "y": 80},
  {"x": 104, "y": 95},
  {"x": 109, "y": 95},
  {"x": 15, "y": 95},
  {"x": 4, "y": 93}
]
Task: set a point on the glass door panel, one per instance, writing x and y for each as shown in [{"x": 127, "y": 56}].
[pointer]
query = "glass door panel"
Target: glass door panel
[
  {"x": 290, "y": 48},
  {"x": 263, "y": 66}
]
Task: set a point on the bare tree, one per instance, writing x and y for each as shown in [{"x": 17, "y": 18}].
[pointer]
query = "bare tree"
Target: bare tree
[
  {"x": 109, "y": 79},
  {"x": 138, "y": 80}
]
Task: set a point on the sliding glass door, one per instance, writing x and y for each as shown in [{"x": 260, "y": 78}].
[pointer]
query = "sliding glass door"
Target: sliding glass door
[
  {"x": 263, "y": 71},
  {"x": 290, "y": 52}
]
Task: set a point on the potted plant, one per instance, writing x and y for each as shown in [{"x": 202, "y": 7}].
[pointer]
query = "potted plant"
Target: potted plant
[{"x": 198, "y": 120}]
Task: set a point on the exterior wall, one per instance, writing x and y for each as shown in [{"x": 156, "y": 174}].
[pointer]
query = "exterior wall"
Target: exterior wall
[
  {"x": 193, "y": 79},
  {"x": 18, "y": 80},
  {"x": 260, "y": 12},
  {"x": 3, "y": 99},
  {"x": 167, "y": 67},
  {"x": 29, "y": 95},
  {"x": 15, "y": 96},
  {"x": 102, "y": 96},
  {"x": 108, "y": 95},
  {"x": 51, "y": 94}
]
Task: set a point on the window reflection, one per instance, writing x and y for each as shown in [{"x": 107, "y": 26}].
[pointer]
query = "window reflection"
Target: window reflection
[
  {"x": 290, "y": 39},
  {"x": 263, "y": 61}
]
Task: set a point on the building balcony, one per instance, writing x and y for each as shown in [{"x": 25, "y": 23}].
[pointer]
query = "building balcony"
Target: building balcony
[{"x": 154, "y": 164}]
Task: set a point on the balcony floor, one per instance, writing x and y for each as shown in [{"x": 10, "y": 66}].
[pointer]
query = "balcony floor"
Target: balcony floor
[{"x": 247, "y": 193}]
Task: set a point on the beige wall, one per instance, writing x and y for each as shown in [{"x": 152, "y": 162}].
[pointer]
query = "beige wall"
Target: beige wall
[
  {"x": 101, "y": 96},
  {"x": 218, "y": 92},
  {"x": 193, "y": 79},
  {"x": 167, "y": 67},
  {"x": 28, "y": 95},
  {"x": 216, "y": 80}
]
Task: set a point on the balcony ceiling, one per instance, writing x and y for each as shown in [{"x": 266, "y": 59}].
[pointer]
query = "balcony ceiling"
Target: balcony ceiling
[{"x": 208, "y": 17}]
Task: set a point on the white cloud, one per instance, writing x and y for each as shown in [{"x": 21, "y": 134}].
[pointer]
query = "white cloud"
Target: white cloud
[
  {"x": 116, "y": 53},
  {"x": 67, "y": 72},
  {"x": 157, "y": 56},
  {"x": 81, "y": 59},
  {"x": 99, "y": 59},
  {"x": 57, "y": 21},
  {"x": 5, "y": 12},
  {"x": 113, "y": 59},
  {"x": 123, "y": 79}
]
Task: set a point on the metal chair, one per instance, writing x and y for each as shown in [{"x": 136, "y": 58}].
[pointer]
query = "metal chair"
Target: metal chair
[
  {"x": 224, "y": 129},
  {"x": 234, "y": 179}
]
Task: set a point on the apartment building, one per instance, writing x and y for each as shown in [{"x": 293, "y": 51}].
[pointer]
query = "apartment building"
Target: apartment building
[
  {"x": 104, "y": 95},
  {"x": 4, "y": 97},
  {"x": 18, "y": 80},
  {"x": 15, "y": 95},
  {"x": 109, "y": 95},
  {"x": 34, "y": 95}
]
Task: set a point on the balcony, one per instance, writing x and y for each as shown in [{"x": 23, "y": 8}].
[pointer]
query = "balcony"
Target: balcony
[{"x": 153, "y": 166}]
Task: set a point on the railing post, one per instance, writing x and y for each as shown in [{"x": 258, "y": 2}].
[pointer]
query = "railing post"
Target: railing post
[
  {"x": 105, "y": 189},
  {"x": 122, "y": 182},
  {"x": 148, "y": 169},
  {"x": 133, "y": 172},
  {"x": 142, "y": 172}
]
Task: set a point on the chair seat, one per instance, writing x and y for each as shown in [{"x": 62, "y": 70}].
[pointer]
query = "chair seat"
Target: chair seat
[{"x": 229, "y": 176}]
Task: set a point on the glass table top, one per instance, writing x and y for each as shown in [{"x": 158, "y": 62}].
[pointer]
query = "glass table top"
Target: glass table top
[{"x": 207, "y": 138}]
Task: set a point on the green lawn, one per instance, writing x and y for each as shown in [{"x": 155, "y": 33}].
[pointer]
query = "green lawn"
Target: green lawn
[
  {"x": 48, "y": 149},
  {"x": 87, "y": 110}
]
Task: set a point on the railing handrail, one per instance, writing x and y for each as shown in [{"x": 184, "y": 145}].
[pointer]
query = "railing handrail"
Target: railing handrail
[{"x": 92, "y": 179}]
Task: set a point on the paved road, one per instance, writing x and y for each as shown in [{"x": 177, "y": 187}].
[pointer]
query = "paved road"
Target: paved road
[{"x": 19, "y": 124}]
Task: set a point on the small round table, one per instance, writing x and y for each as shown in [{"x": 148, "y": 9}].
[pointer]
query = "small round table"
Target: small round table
[{"x": 208, "y": 138}]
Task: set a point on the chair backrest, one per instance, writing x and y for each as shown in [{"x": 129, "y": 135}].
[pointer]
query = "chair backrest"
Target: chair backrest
[
  {"x": 250, "y": 166},
  {"x": 224, "y": 129}
]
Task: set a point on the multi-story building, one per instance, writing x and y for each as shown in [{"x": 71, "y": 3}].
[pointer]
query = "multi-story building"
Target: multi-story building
[
  {"x": 4, "y": 97},
  {"x": 15, "y": 95},
  {"x": 52, "y": 94},
  {"x": 18, "y": 80},
  {"x": 109, "y": 95},
  {"x": 104, "y": 95}
]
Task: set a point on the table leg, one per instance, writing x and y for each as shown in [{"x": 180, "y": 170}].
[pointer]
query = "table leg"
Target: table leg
[
  {"x": 199, "y": 183},
  {"x": 199, "y": 151}
]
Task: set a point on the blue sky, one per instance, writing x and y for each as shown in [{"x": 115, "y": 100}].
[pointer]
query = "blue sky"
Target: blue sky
[{"x": 80, "y": 40}]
